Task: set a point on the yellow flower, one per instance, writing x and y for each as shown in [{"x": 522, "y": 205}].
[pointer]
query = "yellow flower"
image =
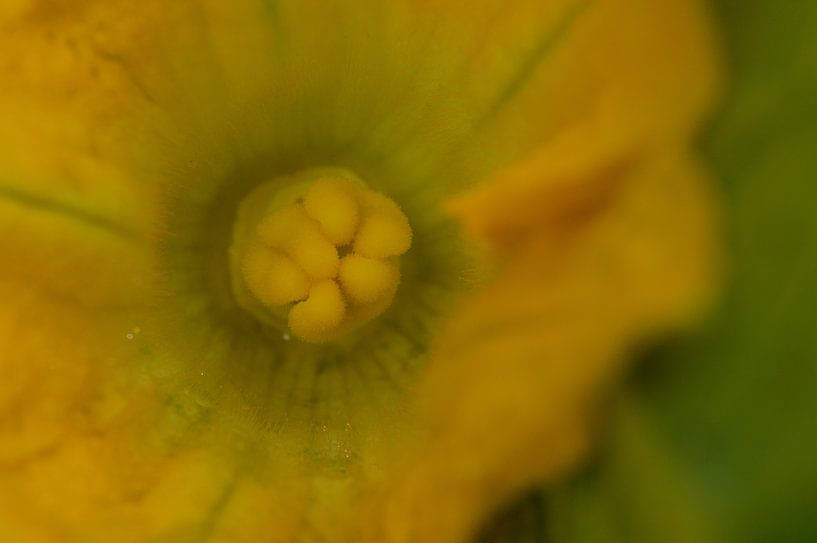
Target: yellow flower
[{"x": 536, "y": 156}]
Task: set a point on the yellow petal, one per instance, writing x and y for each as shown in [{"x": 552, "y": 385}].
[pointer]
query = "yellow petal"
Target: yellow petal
[
  {"x": 109, "y": 109},
  {"x": 523, "y": 362},
  {"x": 659, "y": 76},
  {"x": 607, "y": 233}
]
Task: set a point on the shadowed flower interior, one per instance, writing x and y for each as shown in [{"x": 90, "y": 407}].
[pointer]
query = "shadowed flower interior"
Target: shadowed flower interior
[{"x": 332, "y": 271}]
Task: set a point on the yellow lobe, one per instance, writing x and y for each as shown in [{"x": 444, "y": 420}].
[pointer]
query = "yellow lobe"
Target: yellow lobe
[
  {"x": 367, "y": 280},
  {"x": 331, "y": 202},
  {"x": 276, "y": 229},
  {"x": 320, "y": 314},
  {"x": 384, "y": 230},
  {"x": 273, "y": 277},
  {"x": 293, "y": 231}
]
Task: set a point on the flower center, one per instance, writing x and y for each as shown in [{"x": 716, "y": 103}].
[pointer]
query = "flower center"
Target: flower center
[{"x": 317, "y": 253}]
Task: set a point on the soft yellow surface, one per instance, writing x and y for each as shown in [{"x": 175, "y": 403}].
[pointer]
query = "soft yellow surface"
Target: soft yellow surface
[
  {"x": 532, "y": 353},
  {"x": 599, "y": 216}
]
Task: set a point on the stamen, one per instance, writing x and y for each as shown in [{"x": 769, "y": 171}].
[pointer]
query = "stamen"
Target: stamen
[
  {"x": 367, "y": 280},
  {"x": 294, "y": 232},
  {"x": 332, "y": 203},
  {"x": 320, "y": 314},
  {"x": 273, "y": 277},
  {"x": 384, "y": 230},
  {"x": 293, "y": 253}
]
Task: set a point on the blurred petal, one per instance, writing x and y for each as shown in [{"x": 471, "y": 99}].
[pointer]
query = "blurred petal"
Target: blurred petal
[
  {"x": 608, "y": 235},
  {"x": 637, "y": 77},
  {"x": 522, "y": 363}
]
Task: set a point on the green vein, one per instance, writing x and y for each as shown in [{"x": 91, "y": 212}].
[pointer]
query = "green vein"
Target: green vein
[
  {"x": 73, "y": 213},
  {"x": 217, "y": 510},
  {"x": 546, "y": 44}
]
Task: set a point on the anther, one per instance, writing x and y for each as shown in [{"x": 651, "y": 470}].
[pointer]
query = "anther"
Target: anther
[
  {"x": 320, "y": 314},
  {"x": 273, "y": 277},
  {"x": 384, "y": 230},
  {"x": 291, "y": 230},
  {"x": 292, "y": 258},
  {"x": 368, "y": 280},
  {"x": 332, "y": 203}
]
